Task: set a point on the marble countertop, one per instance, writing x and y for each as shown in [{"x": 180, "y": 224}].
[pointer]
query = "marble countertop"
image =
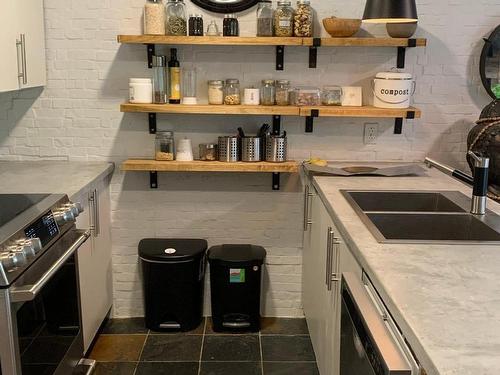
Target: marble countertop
[
  {"x": 445, "y": 298},
  {"x": 69, "y": 178}
]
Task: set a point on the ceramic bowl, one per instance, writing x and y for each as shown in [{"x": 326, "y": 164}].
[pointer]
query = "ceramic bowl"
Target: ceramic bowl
[
  {"x": 341, "y": 27},
  {"x": 401, "y": 30}
]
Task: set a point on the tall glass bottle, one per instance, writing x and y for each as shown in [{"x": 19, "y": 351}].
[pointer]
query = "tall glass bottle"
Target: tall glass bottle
[
  {"x": 174, "y": 73},
  {"x": 160, "y": 80}
]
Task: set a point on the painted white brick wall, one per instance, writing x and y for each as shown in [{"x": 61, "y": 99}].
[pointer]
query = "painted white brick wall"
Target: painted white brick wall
[{"x": 76, "y": 117}]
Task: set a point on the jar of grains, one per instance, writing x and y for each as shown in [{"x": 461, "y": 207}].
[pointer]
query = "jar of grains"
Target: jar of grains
[
  {"x": 216, "y": 92},
  {"x": 176, "y": 18},
  {"x": 232, "y": 92},
  {"x": 154, "y": 18},
  {"x": 268, "y": 92},
  {"x": 282, "y": 92},
  {"x": 303, "y": 19},
  {"x": 164, "y": 146},
  {"x": 265, "y": 18},
  {"x": 283, "y": 19}
]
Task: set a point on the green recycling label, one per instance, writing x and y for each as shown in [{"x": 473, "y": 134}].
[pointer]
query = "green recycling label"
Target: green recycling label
[{"x": 236, "y": 275}]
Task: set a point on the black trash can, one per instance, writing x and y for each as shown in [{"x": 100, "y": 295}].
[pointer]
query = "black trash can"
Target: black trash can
[
  {"x": 173, "y": 274},
  {"x": 235, "y": 282}
]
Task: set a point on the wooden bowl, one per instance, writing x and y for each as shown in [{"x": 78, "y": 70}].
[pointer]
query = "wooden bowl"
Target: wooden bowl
[{"x": 341, "y": 27}]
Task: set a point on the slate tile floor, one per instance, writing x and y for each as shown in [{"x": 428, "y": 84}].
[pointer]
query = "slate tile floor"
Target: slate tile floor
[{"x": 282, "y": 347}]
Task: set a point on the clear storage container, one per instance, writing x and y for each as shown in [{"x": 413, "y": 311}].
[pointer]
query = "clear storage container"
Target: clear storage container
[
  {"x": 265, "y": 18},
  {"x": 176, "y": 18},
  {"x": 303, "y": 19},
  {"x": 160, "y": 81},
  {"x": 282, "y": 92},
  {"x": 331, "y": 95},
  {"x": 305, "y": 96},
  {"x": 154, "y": 18},
  {"x": 164, "y": 146},
  {"x": 232, "y": 95},
  {"x": 216, "y": 92},
  {"x": 283, "y": 19},
  {"x": 189, "y": 84},
  {"x": 268, "y": 92}
]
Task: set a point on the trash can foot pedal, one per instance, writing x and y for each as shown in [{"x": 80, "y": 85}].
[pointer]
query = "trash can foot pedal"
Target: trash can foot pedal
[
  {"x": 236, "y": 324},
  {"x": 170, "y": 325}
]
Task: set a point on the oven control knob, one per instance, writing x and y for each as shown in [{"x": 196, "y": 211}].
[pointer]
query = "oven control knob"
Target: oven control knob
[
  {"x": 76, "y": 208},
  {"x": 13, "y": 260},
  {"x": 64, "y": 216},
  {"x": 31, "y": 246}
]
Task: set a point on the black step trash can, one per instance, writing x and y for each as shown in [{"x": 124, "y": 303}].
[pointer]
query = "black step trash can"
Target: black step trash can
[
  {"x": 235, "y": 282},
  {"x": 173, "y": 274}
]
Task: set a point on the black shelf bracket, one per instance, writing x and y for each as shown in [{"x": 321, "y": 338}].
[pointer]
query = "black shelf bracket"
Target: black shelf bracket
[
  {"x": 153, "y": 180},
  {"x": 151, "y": 51},
  {"x": 276, "y": 180},
  {"x": 152, "y": 123},
  {"x": 412, "y": 43},
  {"x": 398, "y": 124},
  {"x": 313, "y": 53},
  {"x": 276, "y": 125},
  {"x": 310, "y": 120},
  {"x": 280, "y": 57}
]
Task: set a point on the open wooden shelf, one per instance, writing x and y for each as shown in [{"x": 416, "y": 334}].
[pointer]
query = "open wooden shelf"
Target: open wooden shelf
[
  {"x": 208, "y": 166},
  {"x": 365, "y": 111}
]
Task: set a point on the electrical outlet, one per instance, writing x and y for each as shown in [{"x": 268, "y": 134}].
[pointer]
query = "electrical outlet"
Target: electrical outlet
[{"x": 371, "y": 133}]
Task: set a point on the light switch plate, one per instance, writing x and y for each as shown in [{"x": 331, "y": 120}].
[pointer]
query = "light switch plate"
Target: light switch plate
[{"x": 371, "y": 133}]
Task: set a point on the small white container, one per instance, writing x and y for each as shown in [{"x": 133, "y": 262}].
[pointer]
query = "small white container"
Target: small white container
[
  {"x": 184, "y": 150},
  {"x": 353, "y": 96},
  {"x": 141, "y": 90},
  {"x": 393, "y": 90},
  {"x": 252, "y": 96}
]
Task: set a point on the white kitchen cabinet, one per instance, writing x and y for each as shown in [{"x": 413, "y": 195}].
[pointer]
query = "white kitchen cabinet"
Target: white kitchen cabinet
[
  {"x": 95, "y": 273},
  {"x": 22, "y": 40}
]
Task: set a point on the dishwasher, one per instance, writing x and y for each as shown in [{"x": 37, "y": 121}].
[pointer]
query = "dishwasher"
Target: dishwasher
[{"x": 370, "y": 341}]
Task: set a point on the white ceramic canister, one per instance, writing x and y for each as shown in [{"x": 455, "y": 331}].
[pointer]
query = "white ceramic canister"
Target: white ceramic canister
[
  {"x": 252, "y": 96},
  {"x": 353, "y": 96},
  {"x": 184, "y": 150},
  {"x": 393, "y": 90},
  {"x": 141, "y": 90}
]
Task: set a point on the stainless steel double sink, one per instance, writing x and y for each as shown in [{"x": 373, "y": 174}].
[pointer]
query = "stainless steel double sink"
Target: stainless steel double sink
[{"x": 423, "y": 217}]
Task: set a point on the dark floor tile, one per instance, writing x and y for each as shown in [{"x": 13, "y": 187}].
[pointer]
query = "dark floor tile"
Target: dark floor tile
[
  {"x": 167, "y": 348},
  {"x": 286, "y": 368},
  {"x": 118, "y": 348},
  {"x": 115, "y": 368},
  {"x": 287, "y": 348},
  {"x": 284, "y": 326},
  {"x": 210, "y": 330},
  {"x": 197, "y": 331},
  {"x": 231, "y": 348},
  {"x": 230, "y": 368},
  {"x": 39, "y": 369},
  {"x": 47, "y": 350},
  {"x": 125, "y": 326},
  {"x": 167, "y": 368}
]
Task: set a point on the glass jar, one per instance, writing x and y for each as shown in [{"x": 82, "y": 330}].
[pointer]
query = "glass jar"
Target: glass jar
[
  {"x": 268, "y": 92},
  {"x": 196, "y": 25},
  {"x": 331, "y": 95},
  {"x": 303, "y": 19},
  {"x": 160, "y": 84},
  {"x": 230, "y": 25},
  {"x": 154, "y": 18},
  {"x": 283, "y": 19},
  {"x": 164, "y": 146},
  {"x": 216, "y": 92},
  {"x": 208, "y": 151},
  {"x": 189, "y": 85},
  {"x": 232, "y": 94},
  {"x": 283, "y": 92},
  {"x": 213, "y": 29},
  {"x": 176, "y": 18},
  {"x": 265, "y": 18}
]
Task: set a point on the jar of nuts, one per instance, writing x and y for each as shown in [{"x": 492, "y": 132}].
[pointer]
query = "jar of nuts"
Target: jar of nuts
[
  {"x": 164, "y": 146},
  {"x": 303, "y": 19},
  {"x": 282, "y": 92},
  {"x": 283, "y": 19},
  {"x": 176, "y": 18},
  {"x": 232, "y": 92}
]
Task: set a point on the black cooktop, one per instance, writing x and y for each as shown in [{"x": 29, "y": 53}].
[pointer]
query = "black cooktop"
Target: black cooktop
[{"x": 11, "y": 205}]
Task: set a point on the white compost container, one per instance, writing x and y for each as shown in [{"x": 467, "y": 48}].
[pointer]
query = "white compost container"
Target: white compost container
[{"x": 393, "y": 90}]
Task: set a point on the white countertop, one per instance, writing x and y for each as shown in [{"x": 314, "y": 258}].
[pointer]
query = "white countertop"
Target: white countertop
[
  {"x": 69, "y": 178},
  {"x": 445, "y": 298}
]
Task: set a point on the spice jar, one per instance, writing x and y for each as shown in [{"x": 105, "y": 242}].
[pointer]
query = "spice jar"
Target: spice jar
[
  {"x": 282, "y": 92},
  {"x": 164, "y": 146},
  {"x": 230, "y": 25},
  {"x": 283, "y": 19},
  {"x": 303, "y": 19},
  {"x": 216, "y": 92},
  {"x": 331, "y": 95},
  {"x": 196, "y": 25},
  {"x": 268, "y": 92},
  {"x": 160, "y": 84},
  {"x": 265, "y": 18},
  {"x": 154, "y": 18},
  {"x": 176, "y": 18},
  {"x": 208, "y": 151},
  {"x": 232, "y": 92}
]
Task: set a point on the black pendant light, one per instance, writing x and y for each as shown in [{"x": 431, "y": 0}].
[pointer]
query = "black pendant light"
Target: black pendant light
[{"x": 390, "y": 11}]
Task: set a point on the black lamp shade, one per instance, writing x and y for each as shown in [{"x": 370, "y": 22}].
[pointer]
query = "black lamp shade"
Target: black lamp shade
[{"x": 390, "y": 11}]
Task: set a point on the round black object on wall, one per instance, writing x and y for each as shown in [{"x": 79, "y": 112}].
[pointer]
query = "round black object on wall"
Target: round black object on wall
[
  {"x": 489, "y": 66},
  {"x": 225, "y": 6}
]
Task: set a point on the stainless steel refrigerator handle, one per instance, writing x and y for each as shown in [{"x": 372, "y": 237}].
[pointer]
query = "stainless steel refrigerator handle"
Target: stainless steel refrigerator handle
[
  {"x": 96, "y": 213},
  {"x": 307, "y": 195},
  {"x": 21, "y": 42},
  {"x": 329, "y": 258},
  {"x": 29, "y": 292}
]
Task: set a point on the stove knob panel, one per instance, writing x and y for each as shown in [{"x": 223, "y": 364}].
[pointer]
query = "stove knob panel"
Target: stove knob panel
[
  {"x": 64, "y": 216},
  {"x": 36, "y": 244},
  {"x": 76, "y": 208},
  {"x": 13, "y": 259},
  {"x": 30, "y": 246}
]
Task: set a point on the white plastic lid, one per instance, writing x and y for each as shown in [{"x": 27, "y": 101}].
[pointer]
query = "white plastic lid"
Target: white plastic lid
[
  {"x": 394, "y": 75},
  {"x": 140, "y": 80}
]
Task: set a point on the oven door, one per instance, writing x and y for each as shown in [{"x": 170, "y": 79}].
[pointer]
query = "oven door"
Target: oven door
[
  {"x": 46, "y": 335},
  {"x": 368, "y": 344}
]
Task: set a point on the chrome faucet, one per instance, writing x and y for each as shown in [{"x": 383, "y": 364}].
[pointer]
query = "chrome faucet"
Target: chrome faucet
[{"x": 480, "y": 184}]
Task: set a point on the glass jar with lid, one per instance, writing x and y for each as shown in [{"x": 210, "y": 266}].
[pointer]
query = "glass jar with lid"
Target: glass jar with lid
[
  {"x": 232, "y": 95},
  {"x": 282, "y": 92},
  {"x": 176, "y": 23},
  {"x": 303, "y": 19},
  {"x": 331, "y": 95},
  {"x": 164, "y": 146},
  {"x": 196, "y": 25},
  {"x": 216, "y": 91},
  {"x": 230, "y": 25},
  {"x": 283, "y": 19},
  {"x": 154, "y": 18},
  {"x": 265, "y": 18},
  {"x": 268, "y": 92}
]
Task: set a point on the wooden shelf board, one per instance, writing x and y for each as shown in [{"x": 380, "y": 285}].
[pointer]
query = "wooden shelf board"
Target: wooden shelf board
[
  {"x": 207, "y": 166},
  {"x": 365, "y": 42},
  {"x": 211, "y": 109},
  {"x": 365, "y": 111},
  {"x": 210, "y": 40}
]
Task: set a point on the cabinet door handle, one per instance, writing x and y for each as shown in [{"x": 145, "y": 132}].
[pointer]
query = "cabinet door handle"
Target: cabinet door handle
[
  {"x": 21, "y": 42},
  {"x": 96, "y": 213},
  {"x": 307, "y": 196},
  {"x": 335, "y": 271},
  {"x": 329, "y": 259}
]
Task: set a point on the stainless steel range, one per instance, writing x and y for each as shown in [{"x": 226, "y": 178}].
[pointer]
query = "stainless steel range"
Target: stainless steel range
[{"x": 40, "y": 320}]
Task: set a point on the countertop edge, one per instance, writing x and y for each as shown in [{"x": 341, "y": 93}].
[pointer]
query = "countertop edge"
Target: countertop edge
[{"x": 105, "y": 173}]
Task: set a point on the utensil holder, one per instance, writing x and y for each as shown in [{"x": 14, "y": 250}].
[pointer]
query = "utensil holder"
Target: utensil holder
[
  {"x": 251, "y": 149},
  {"x": 276, "y": 149},
  {"x": 229, "y": 149}
]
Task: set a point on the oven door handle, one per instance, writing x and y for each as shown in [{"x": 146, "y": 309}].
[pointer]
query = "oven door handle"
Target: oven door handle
[{"x": 29, "y": 292}]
